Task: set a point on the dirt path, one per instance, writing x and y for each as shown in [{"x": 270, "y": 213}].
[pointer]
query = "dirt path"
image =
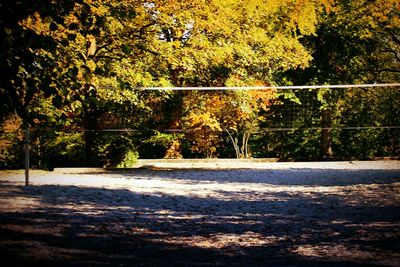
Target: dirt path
[{"x": 325, "y": 214}]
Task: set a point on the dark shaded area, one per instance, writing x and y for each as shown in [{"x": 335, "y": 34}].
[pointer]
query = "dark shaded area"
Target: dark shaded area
[{"x": 86, "y": 226}]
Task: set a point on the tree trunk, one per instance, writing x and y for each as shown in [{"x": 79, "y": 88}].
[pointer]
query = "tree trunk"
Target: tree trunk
[
  {"x": 243, "y": 152},
  {"x": 246, "y": 146},
  {"x": 326, "y": 138},
  {"x": 91, "y": 127},
  {"x": 235, "y": 143}
]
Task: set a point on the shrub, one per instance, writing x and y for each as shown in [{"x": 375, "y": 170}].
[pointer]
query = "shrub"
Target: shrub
[
  {"x": 129, "y": 159},
  {"x": 119, "y": 152}
]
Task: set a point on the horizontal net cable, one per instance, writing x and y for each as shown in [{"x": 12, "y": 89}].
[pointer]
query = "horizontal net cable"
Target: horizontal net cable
[
  {"x": 262, "y": 87},
  {"x": 265, "y": 130}
]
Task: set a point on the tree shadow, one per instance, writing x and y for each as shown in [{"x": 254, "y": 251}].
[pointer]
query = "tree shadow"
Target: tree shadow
[{"x": 74, "y": 226}]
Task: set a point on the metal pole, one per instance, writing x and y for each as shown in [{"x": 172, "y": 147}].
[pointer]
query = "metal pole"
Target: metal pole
[{"x": 26, "y": 148}]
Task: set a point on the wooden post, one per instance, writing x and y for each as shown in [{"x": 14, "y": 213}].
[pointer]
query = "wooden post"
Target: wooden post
[
  {"x": 26, "y": 148},
  {"x": 326, "y": 138}
]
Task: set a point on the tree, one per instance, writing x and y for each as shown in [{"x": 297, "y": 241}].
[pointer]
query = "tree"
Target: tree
[
  {"x": 97, "y": 58},
  {"x": 357, "y": 42},
  {"x": 237, "y": 113},
  {"x": 25, "y": 57},
  {"x": 83, "y": 55},
  {"x": 212, "y": 43}
]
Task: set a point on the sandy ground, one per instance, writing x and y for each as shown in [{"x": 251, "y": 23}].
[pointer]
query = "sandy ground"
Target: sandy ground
[{"x": 261, "y": 214}]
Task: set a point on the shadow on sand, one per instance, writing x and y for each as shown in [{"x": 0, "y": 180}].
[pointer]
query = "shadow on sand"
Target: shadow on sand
[{"x": 86, "y": 226}]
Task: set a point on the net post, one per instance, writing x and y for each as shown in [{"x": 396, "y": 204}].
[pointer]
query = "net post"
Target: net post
[{"x": 26, "y": 149}]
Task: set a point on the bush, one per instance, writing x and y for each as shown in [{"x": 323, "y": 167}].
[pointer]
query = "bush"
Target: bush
[
  {"x": 63, "y": 150},
  {"x": 119, "y": 152},
  {"x": 129, "y": 159}
]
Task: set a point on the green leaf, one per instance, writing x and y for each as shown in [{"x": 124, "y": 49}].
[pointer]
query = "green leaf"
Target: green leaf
[{"x": 290, "y": 95}]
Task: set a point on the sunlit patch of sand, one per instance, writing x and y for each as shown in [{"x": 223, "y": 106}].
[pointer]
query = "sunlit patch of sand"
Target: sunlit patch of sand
[
  {"x": 348, "y": 253},
  {"x": 224, "y": 240},
  {"x": 332, "y": 251}
]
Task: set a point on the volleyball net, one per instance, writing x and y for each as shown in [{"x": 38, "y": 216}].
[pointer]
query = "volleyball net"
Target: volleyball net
[{"x": 286, "y": 122}]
